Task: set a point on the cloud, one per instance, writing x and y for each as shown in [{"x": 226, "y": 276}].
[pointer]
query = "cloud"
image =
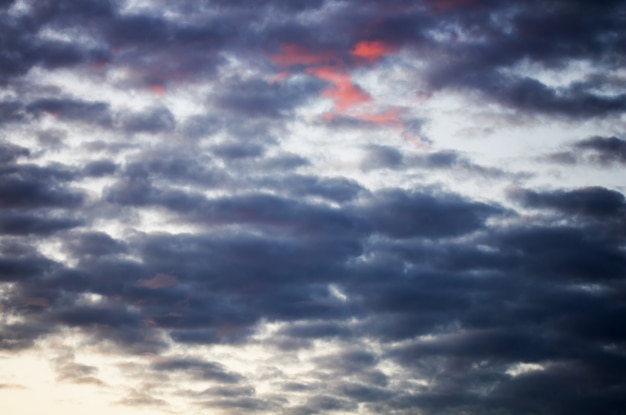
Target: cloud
[
  {"x": 10, "y": 152},
  {"x": 142, "y": 399},
  {"x": 404, "y": 215},
  {"x": 21, "y": 224},
  {"x": 592, "y": 201},
  {"x": 600, "y": 151},
  {"x": 29, "y": 186},
  {"x": 606, "y": 149},
  {"x": 197, "y": 369},
  {"x": 72, "y": 110},
  {"x": 272, "y": 206},
  {"x": 153, "y": 120}
]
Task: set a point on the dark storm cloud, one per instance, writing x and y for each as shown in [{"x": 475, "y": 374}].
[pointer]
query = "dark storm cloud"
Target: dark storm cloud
[
  {"x": 94, "y": 243},
  {"x": 25, "y": 224},
  {"x": 592, "y": 201},
  {"x": 604, "y": 150},
  {"x": 100, "y": 168},
  {"x": 530, "y": 95},
  {"x": 276, "y": 277},
  {"x": 405, "y": 215},
  {"x": 254, "y": 209},
  {"x": 20, "y": 336},
  {"x": 98, "y": 316},
  {"x": 557, "y": 253},
  {"x": 22, "y": 49},
  {"x": 551, "y": 39},
  {"x": 118, "y": 325},
  {"x": 28, "y": 186},
  {"x": 21, "y": 266}
]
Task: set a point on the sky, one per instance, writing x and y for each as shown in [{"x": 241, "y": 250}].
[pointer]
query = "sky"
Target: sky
[{"x": 312, "y": 207}]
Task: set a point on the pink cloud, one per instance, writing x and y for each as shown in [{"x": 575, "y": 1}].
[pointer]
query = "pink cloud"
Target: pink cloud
[
  {"x": 389, "y": 117},
  {"x": 372, "y": 50},
  {"x": 343, "y": 92},
  {"x": 292, "y": 54}
]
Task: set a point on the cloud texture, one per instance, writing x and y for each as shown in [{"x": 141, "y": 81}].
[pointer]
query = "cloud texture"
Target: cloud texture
[{"x": 281, "y": 207}]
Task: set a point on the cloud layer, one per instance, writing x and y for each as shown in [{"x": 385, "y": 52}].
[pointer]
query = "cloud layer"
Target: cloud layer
[{"x": 270, "y": 206}]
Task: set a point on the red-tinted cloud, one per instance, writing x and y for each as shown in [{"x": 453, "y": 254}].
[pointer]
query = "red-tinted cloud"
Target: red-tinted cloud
[
  {"x": 157, "y": 89},
  {"x": 347, "y": 97},
  {"x": 389, "y": 117},
  {"x": 343, "y": 92},
  {"x": 371, "y": 51},
  {"x": 292, "y": 54}
]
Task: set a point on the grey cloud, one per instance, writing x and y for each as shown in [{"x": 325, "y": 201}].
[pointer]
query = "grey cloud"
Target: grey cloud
[
  {"x": 325, "y": 403},
  {"x": 380, "y": 157},
  {"x": 592, "y": 201},
  {"x": 406, "y": 215},
  {"x": 284, "y": 162},
  {"x": 94, "y": 316},
  {"x": 11, "y": 111},
  {"x": 556, "y": 252},
  {"x": 606, "y": 149},
  {"x": 229, "y": 391},
  {"x": 233, "y": 151},
  {"x": 384, "y": 157},
  {"x": 20, "y": 336},
  {"x": 27, "y": 224},
  {"x": 153, "y": 121},
  {"x": 317, "y": 330},
  {"x": 10, "y": 152},
  {"x": 100, "y": 168},
  {"x": 364, "y": 393},
  {"x": 22, "y": 267},
  {"x": 336, "y": 189},
  {"x": 32, "y": 187},
  {"x": 142, "y": 399},
  {"x": 74, "y": 110},
  {"x": 241, "y": 403},
  {"x": 199, "y": 369},
  {"x": 94, "y": 243},
  {"x": 200, "y": 126},
  {"x": 258, "y": 98}
]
